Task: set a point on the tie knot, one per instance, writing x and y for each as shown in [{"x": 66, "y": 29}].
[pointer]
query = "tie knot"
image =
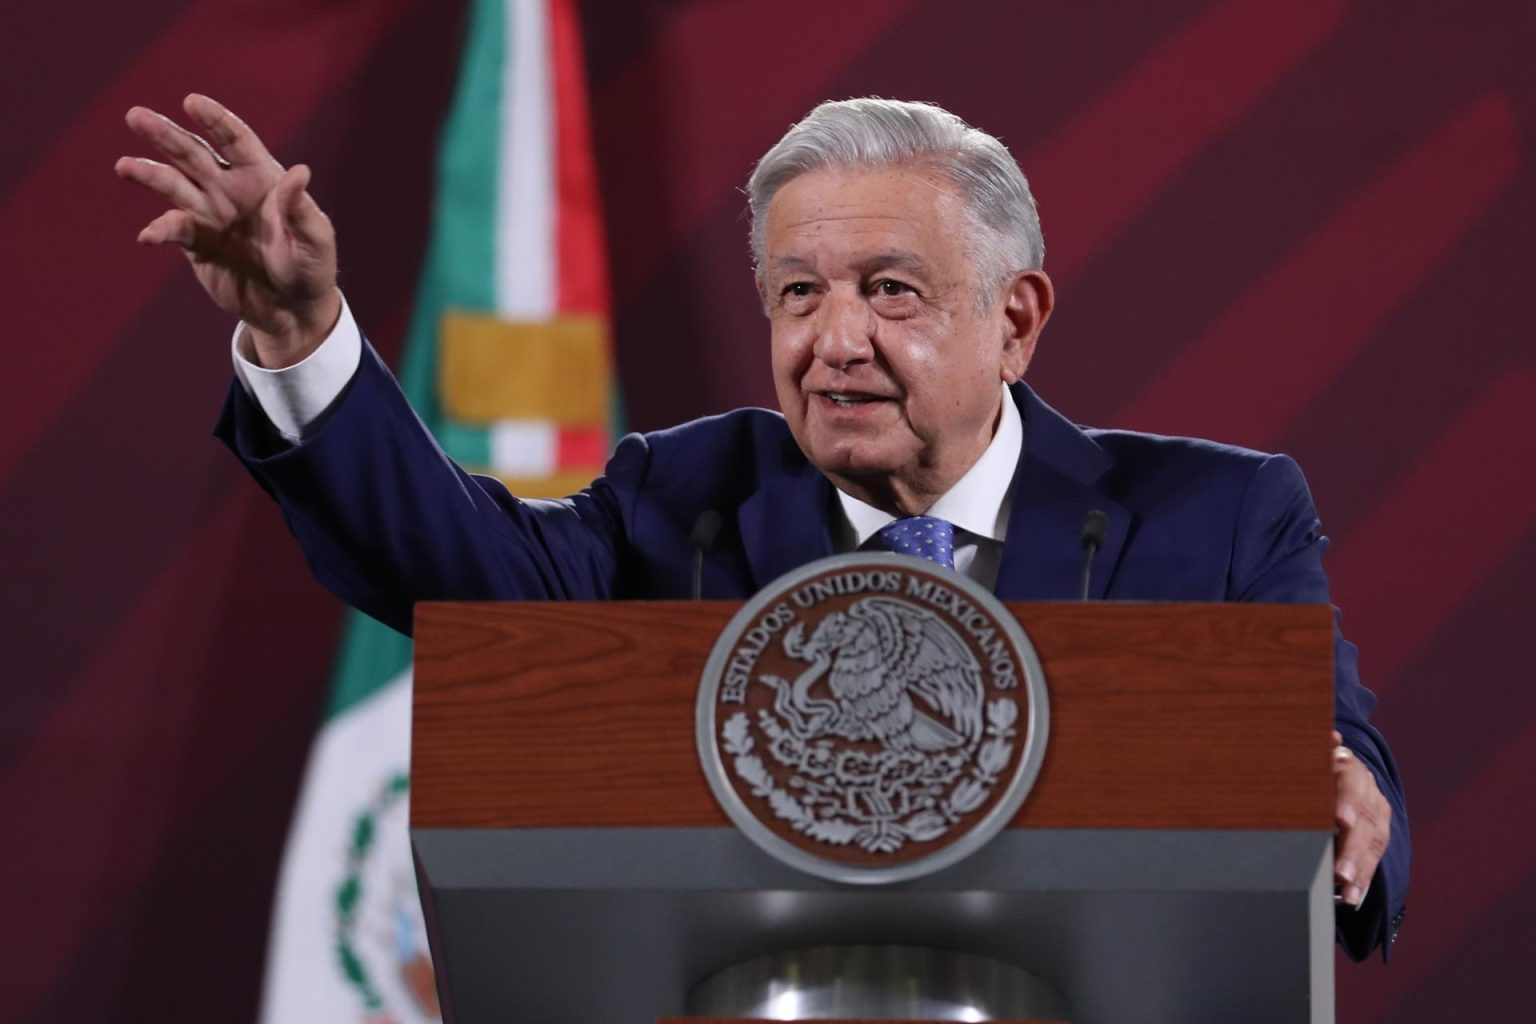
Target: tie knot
[{"x": 921, "y": 537}]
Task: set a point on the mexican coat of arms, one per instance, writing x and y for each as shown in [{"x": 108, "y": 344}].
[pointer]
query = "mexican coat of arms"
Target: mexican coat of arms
[{"x": 872, "y": 718}]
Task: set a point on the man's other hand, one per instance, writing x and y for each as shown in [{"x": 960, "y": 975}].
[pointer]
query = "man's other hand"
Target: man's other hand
[
  {"x": 259, "y": 245},
  {"x": 1364, "y": 822}
]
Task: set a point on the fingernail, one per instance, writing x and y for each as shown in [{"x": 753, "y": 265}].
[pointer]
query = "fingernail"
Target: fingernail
[
  {"x": 1346, "y": 871},
  {"x": 1354, "y": 897}
]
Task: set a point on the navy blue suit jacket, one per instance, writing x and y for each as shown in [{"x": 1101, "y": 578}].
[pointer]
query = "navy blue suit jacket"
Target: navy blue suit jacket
[{"x": 386, "y": 519}]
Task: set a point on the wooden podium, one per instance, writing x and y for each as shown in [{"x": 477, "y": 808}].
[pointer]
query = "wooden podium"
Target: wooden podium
[{"x": 1173, "y": 861}]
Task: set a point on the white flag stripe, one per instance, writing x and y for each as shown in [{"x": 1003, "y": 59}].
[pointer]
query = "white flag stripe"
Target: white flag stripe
[
  {"x": 525, "y": 200},
  {"x": 354, "y": 756},
  {"x": 528, "y": 448},
  {"x": 348, "y": 942}
]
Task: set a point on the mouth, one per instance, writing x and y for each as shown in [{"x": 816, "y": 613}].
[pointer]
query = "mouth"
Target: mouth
[{"x": 850, "y": 399}]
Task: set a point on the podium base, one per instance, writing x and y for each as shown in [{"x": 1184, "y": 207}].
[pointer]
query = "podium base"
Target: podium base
[{"x": 907, "y": 983}]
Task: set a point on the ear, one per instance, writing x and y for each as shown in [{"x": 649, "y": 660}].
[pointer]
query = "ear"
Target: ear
[{"x": 1027, "y": 305}]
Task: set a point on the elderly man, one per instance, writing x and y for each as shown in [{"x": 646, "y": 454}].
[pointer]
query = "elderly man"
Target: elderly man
[{"x": 898, "y": 257}]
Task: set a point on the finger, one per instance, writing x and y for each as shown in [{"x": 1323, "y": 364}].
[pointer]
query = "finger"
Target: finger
[
  {"x": 235, "y": 140},
  {"x": 1359, "y": 852},
  {"x": 1365, "y": 827},
  {"x": 164, "y": 181},
  {"x": 1338, "y": 738},
  {"x": 289, "y": 190},
  {"x": 177, "y": 227},
  {"x": 1356, "y": 795},
  {"x": 189, "y": 152},
  {"x": 302, "y": 214}
]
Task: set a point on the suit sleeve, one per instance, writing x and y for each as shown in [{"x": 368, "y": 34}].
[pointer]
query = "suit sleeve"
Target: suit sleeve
[
  {"x": 386, "y": 519},
  {"x": 1277, "y": 556}
]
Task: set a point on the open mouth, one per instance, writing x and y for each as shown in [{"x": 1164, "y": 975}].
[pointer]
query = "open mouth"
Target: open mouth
[{"x": 850, "y": 400}]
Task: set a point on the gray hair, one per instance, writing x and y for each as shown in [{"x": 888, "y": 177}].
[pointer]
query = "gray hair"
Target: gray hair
[{"x": 872, "y": 132}]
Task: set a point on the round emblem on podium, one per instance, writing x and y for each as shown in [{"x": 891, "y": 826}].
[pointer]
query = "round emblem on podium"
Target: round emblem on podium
[{"x": 872, "y": 718}]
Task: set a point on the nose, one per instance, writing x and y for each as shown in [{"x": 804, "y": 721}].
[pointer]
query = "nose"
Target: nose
[{"x": 845, "y": 329}]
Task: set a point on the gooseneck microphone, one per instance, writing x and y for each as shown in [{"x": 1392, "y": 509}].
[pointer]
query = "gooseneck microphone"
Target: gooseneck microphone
[
  {"x": 1095, "y": 526},
  {"x": 702, "y": 538}
]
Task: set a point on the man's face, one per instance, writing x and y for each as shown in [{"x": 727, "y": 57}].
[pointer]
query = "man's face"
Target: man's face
[{"x": 886, "y": 366}]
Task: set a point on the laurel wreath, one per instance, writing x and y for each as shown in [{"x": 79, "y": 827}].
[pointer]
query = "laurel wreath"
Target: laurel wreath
[
  {"x": 888, "y": 837},
  {"x": 991, "y": 759},
  {"x": 349, "y": 893}
]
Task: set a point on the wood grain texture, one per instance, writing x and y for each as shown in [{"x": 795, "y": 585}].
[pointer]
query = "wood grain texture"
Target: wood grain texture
[{"x": 580, "y": 714}]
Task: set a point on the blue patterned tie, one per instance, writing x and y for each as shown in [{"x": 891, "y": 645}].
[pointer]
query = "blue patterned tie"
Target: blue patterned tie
[{"x": 921, "y": 537}]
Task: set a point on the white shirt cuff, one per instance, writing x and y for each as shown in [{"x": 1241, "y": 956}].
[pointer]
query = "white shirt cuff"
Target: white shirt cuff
[{"x": 294, "y": 397}]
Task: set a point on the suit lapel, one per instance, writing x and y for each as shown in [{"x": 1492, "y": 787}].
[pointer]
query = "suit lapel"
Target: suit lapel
[
  {"x": 785, "y": 523},
  {"x": 1056, "y": 484}
]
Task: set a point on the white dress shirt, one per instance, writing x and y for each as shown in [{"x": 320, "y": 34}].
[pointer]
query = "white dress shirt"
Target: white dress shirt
[
  {"x": 294, "y": 397},
  {"x": 978, "y": 505}
]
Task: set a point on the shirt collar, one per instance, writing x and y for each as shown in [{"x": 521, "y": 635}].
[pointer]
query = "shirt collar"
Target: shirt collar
[{"x": 979, "y": 501}]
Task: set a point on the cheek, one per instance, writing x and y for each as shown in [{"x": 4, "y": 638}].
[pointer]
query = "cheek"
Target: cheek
[
  {"x": 944, "y": 378},
  {"x": 789, "y": 351},
  {"x": 926, "y": 366},
  {"x": 789, "y": 358}
]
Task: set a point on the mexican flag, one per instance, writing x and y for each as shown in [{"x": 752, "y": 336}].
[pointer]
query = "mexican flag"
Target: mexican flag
[{"x": 508, "y": 362}]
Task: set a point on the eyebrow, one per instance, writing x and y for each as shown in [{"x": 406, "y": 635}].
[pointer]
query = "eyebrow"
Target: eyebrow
[
  {"x": 789, "y": 263},
  {"x": 891, "y": 259}
]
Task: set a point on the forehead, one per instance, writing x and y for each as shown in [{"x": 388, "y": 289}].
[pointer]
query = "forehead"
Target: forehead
[{"x": 833, "y": 217}]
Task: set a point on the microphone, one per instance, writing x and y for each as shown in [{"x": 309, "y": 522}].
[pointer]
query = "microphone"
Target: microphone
[
  {"x": 702, "y": 538},
  {"x": 1095, "y": 526}
]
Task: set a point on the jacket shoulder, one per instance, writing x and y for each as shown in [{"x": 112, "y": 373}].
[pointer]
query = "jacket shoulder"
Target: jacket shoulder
[
  {"x": 1160, "y": 465},
  {"x": 1140, "y": 446},
  {"x": 719, "y": 458},
  {"x": 729, "y": 429}
]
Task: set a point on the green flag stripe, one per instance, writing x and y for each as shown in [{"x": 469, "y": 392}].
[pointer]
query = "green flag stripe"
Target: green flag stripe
[
  {"x": 457, "y": 273},
  {"x": 372, "y": 654},
  {"x": 466, "y": 444},
  {"x": 461, "y": 251}
]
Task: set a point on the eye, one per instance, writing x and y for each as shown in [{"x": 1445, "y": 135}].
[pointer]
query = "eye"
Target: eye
[
  {"x": 798, "y": 298},
  {"x": 891, "y": 288}
]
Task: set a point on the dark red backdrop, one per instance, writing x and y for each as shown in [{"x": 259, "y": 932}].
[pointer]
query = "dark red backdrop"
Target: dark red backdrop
[{"x": 1303, "y": 226}]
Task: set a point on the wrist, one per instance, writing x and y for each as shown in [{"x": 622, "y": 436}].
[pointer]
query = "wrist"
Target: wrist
[{"x": 293, "y": 337}]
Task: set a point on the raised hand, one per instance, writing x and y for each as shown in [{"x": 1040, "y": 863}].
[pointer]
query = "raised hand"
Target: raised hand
[{"x": 259, "y": 245}]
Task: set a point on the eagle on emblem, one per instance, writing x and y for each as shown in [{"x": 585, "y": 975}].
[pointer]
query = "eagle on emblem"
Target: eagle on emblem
[{"x": 875, "y": 657}]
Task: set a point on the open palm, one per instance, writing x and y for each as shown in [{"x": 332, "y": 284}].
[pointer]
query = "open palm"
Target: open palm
[{"x": 256, "y": 240}]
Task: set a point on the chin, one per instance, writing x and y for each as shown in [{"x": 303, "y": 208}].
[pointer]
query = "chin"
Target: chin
[{"x": 854, "y": 460}]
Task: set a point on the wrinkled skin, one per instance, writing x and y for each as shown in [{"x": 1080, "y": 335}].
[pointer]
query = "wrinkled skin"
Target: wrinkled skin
[
  {"x": 258, "y": 244},
  {"x": 888, "y": 353}
]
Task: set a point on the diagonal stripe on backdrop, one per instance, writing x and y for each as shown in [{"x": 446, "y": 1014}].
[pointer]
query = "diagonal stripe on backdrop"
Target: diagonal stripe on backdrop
[
  {"x": 1473, "y": 490},
  {"x": 722, "y": 116},
  {"x": 127, "y": 793},
  {"x": 1476, "y": 874},
  {"x": 65, "y": 226},
  {"x": 1135, "y": 138},
  {"x": 1348, "y": 275}
]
